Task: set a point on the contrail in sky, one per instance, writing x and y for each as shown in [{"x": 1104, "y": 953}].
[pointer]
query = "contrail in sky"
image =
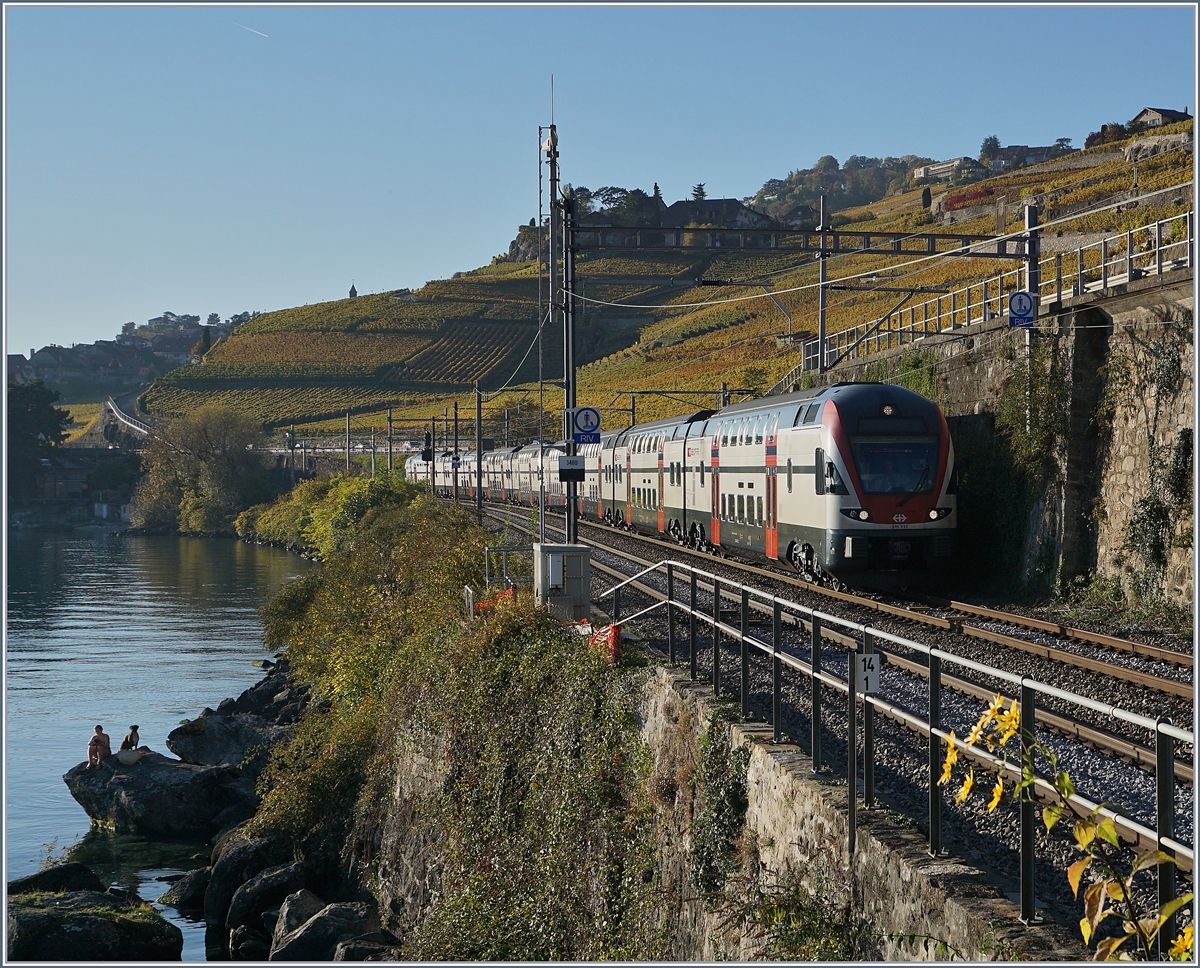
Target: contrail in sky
[{"x": 251, "y": 29}]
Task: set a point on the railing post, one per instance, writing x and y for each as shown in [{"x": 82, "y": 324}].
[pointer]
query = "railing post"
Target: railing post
[
  {"x": 968, "y": 323},
  {"x": 1128, "y": 256},
  {"x": 670, "y": 613},
  {"x": 692, "y": 630},
  {"x": 1158, "y": 248},
  {"x": 1190, "y": 220},
  {"x": 1058, "y": 278},
  {"x": 935, "y": 755},
  {"x": 1080, "y": 284},
  {"x": 776, "y": 673},
  {"x": 745, "y": 656},
  {"x": 939, "y": 314},
  {"x": 868, "y": 735},
  {"x": 716, "y": 637},
  {"x": 1103, "y": 264},
  {"x": 1164, "y": 774},
  {"x": 985, "y": 302},
  {"x": 616, "y": 616},
  {"x": 852, "y": 746},
  {"x": 815, "y": 644},
  {"x": 953, "y": 309},
  {"x": 1028, "y": 804}
]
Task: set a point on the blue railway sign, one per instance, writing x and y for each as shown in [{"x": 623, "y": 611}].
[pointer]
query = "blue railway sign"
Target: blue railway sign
[{"x": 586, "y": 424}]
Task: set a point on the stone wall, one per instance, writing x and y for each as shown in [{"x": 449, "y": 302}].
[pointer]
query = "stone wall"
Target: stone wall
[
  {"x": 1126, "y": 356},
  {"x": 793, "y": 820}
]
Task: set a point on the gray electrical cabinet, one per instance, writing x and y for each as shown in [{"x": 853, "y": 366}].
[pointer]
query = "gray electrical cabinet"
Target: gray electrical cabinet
[{"x": 562, "y": 580}]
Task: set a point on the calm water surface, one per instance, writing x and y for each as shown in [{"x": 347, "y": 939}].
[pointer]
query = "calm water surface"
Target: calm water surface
[{"x": 112, "y": 630}]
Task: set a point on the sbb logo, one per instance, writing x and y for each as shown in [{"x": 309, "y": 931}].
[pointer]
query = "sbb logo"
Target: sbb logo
[{"x": 899, "y": 518}]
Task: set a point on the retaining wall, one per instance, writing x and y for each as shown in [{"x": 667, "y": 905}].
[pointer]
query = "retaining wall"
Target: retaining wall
[{"x": 793, "y": 820}]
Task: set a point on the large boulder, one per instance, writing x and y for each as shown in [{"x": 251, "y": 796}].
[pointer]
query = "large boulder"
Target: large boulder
[
  {"x": 187, "y": 893},
  {"x": 161, "y": 797},
  {"x": 262, "y": 892},
  {"x": 295, "y": 910},
  {"x": 236, "y": 859},
  {"x": 316, "y": 938},
  {"x": 370, "y": 947},
  {"x": 72, "y": 876},
  {"x": 242, "y": 730},
  {"x": 83, "y": 926}
]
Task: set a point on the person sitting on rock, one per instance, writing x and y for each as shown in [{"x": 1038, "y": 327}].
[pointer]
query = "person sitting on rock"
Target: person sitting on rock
[
  {"x": 99, "y": 747},
  {"x": 131, "y": 740}
]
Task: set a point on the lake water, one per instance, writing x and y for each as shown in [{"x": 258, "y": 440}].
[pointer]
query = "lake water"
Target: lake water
[{"x": 120, "y": 630}]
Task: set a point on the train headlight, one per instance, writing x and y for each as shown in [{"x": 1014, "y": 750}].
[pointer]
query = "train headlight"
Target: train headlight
[
  {"x": 858, "y": 514},
  {"x": 938, "y": 513}
]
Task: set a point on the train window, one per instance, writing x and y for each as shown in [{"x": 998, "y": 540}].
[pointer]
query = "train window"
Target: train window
[
  {"x": 760, "y": 511},
  {"x": 702, "y": 475},
  {"x": 758, "y": 429},
  {"x": 724, "y": 432},
  {"x": 654, "y": 497},
  {"x": 789, "y": 475},
  {"x": 722, "y": 507},
  {"x": 741, "y": 508},
  {"x": 814, "y": 410}
]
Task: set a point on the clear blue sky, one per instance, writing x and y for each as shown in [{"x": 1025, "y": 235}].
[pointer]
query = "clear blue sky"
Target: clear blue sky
[{"x": 166, "y": 158}]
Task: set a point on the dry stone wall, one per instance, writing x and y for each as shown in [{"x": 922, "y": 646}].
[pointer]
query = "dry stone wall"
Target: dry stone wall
[{"x": 793, "y": 821}]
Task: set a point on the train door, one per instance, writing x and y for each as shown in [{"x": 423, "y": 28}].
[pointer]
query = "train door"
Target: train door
[
  {"x": 629, "y": 485},
  {"x": 772, "y": 487},
  {"x": 662, "y": 525},
  {"x": 715, "y": 529}
]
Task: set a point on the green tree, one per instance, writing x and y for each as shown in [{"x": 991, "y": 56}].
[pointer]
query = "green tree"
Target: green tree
[
  {"x": 989, "y": 149},
  {"x": 926, "y": 197},
  {"x": 214, "y": 319},
  {"x": 698, "y": 192},
  {"x": 201, "y": 472},
  {"x": 35, "y": 428}
]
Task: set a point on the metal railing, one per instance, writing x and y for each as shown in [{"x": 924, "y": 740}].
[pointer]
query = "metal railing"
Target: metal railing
[
  {"x": 132, "y": 422},
  {"x": 866, "y": 640},
  {"x": 1153, "y": 249}
]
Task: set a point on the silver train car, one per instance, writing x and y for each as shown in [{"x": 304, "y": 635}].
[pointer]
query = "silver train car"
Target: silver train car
[{"x": 852, "y": 482}]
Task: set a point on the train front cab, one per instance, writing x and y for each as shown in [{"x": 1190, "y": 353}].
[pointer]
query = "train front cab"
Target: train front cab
[{"x": 867, "y": 491}]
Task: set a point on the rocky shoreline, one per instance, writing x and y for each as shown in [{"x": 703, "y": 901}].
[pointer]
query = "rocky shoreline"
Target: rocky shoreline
[{"x": 258, "y": 902}]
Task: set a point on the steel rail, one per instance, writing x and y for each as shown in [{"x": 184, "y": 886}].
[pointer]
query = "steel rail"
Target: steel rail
[{"x": 1064, "y": 657}]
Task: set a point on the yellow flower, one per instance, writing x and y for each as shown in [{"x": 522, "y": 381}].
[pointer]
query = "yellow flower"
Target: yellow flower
[
  {"x": 951, "y": 759},
  {"x": 994, "y": 708},
  {"x": 977, "y": 730},
  {"x": 1181, "y": 947},
  {"x": 1010, "y": 722},
  {"x": 965, "y": 791},
  {"x": 997, "y": 793}
]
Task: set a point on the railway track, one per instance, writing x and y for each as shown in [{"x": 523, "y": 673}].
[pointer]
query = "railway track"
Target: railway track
[
  {"x": 959, "y": 622},
  {"x": 1139, "y": 755}
]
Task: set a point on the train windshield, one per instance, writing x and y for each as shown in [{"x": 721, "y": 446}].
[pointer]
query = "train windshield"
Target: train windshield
[{"x": 896, "y": 465}]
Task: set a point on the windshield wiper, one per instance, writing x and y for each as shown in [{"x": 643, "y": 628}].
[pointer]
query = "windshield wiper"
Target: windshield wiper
[{"x": 919, "y": 485}]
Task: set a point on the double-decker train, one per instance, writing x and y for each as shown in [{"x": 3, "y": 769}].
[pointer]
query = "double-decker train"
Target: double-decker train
[{"x": 852, "y": 482}]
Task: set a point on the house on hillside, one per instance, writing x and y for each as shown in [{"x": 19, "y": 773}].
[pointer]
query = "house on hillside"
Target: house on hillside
[
  {"x": 1157, "y": 117},
  {"x": 20, "y": 370},
  {"x": 800, "y": 217},
  {"x": 965, "y": 168},
  {"x": 174, "y": 349},
  {"x": 56, "y": 364},
  {"x": 725, "y": 213}
]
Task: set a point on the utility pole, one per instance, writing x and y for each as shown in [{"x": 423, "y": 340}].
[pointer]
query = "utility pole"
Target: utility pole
[
  {"x": 347, "y": 442},
  {"x": 454, "y": 459},
  {"x": 506, "y": 443},
  {"x": 372, "y": 453},
  {"x": 478, "y": 452},
  {"x": 823, "y": 227},
  {"x": 552, "y": 159},
  {"x": 389, "y": 442},
  {"x": 632, "y": 409},
  {"x": 569, "y": 361},
  {"x": 445, "y": 429},
  {"x": 292, "y": 451}
]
